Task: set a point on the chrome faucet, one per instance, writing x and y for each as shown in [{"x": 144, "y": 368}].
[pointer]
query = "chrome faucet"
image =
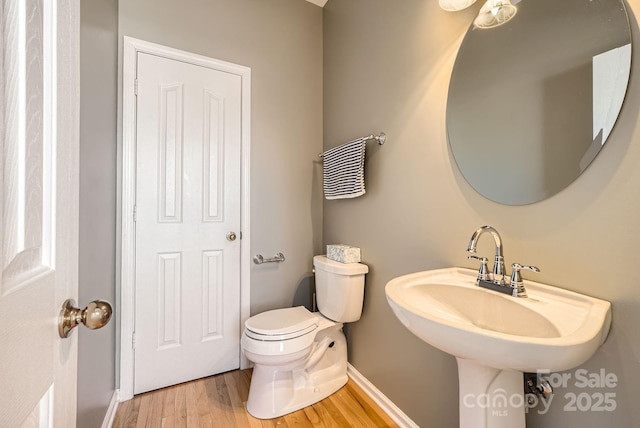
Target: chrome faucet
[
  {"x": 495, "y": 281},
  {"x": 498, "y": 263}
]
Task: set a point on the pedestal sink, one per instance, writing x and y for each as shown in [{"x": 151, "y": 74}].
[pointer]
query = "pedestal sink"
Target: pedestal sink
[{"x": 496, "y": 337}]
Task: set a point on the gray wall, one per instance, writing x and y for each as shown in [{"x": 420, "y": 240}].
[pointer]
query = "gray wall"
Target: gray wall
[
  {"x": 98, "y": 85},
  {"x": 386, "y": 67},
  {"x": 281, "y": 40}
]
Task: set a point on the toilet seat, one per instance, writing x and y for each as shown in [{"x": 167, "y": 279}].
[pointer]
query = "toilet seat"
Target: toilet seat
[
  {"x": 281, "y": 324},
  {"x": 282, "y": 331}
]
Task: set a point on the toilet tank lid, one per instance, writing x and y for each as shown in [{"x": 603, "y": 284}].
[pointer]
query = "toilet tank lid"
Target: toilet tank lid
[{"x": 323, "y": 263}]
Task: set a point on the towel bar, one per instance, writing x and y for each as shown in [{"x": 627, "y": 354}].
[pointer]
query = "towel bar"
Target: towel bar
[
  {"x": 381, "y": 138},
  {"x": 258, "y": 259}
]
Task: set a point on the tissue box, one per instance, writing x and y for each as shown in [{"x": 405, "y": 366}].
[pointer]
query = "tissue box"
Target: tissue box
[{"x": 343, "y": 253}]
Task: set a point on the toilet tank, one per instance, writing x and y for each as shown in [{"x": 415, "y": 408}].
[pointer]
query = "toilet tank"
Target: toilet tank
[{"x": 339, "y": 289}]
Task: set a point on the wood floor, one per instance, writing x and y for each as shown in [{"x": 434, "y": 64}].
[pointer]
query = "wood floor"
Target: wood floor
[{"x": 219, "y": 401}]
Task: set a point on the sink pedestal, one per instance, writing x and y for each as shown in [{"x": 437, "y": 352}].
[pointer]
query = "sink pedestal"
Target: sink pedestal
[{"x": 490, "y": 398}]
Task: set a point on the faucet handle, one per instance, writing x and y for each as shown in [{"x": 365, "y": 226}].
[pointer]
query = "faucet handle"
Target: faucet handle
[
  {"x": 516, "y": 279},
  {"x": 483, "y": 272}
]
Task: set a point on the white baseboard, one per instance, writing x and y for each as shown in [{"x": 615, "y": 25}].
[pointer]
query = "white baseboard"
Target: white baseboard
[
  {"x": 380, "y": 399},
  {"x": 111, "y": 411}
]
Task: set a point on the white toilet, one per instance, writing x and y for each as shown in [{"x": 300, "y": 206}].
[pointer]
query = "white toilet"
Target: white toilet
[{"x": 300, "y": 357}]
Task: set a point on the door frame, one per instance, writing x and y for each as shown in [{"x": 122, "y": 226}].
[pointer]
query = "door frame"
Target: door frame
[{"x": 132, "y": 47}]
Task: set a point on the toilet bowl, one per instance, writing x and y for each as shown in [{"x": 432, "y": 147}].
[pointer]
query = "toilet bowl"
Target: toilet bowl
[
  {"x": 300, "y": 357},
  {"x": 294, "y": 372}
]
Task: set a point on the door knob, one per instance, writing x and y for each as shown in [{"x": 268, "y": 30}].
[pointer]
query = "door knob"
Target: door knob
[
  {"x": 96, "y": 315},
  {"x": 231, "y": 236}
]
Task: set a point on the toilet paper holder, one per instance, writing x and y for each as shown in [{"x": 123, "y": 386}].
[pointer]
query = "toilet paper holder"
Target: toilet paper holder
[{"x": 259, "y": 259}]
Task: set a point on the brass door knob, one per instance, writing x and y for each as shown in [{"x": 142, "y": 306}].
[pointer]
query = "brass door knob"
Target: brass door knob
[
  {"x": 231, "y": 236},
  {"x": 96, "y": 315}
]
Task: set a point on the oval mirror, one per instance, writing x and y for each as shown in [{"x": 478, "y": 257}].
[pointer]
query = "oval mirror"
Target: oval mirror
[{"x": 531, "y": 102}]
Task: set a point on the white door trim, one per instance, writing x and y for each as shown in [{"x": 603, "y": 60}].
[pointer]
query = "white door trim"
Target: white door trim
[{"x": 127, "y": 275}]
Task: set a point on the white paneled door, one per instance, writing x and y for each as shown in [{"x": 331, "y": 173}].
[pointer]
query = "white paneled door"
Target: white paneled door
[
  {"x": 187, "y": 213},
  {"x": 39, "y": 210}
]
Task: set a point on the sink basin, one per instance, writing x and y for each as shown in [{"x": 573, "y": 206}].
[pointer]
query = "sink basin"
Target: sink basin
[{"x": 553, "y": 329}]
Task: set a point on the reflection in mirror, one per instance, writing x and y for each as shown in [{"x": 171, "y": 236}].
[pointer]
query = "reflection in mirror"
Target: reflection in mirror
[
  {"x": 494, "y": 13},
  {"x": 531, "y": 102}
]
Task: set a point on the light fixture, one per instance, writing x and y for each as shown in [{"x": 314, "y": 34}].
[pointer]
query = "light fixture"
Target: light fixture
[
  {"x": 455, "y": 5},
  {"x": 494, "y": 13}
]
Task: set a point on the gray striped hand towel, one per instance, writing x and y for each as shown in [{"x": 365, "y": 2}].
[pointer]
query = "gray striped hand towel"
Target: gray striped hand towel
[{"x": 343, "y": 170}]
